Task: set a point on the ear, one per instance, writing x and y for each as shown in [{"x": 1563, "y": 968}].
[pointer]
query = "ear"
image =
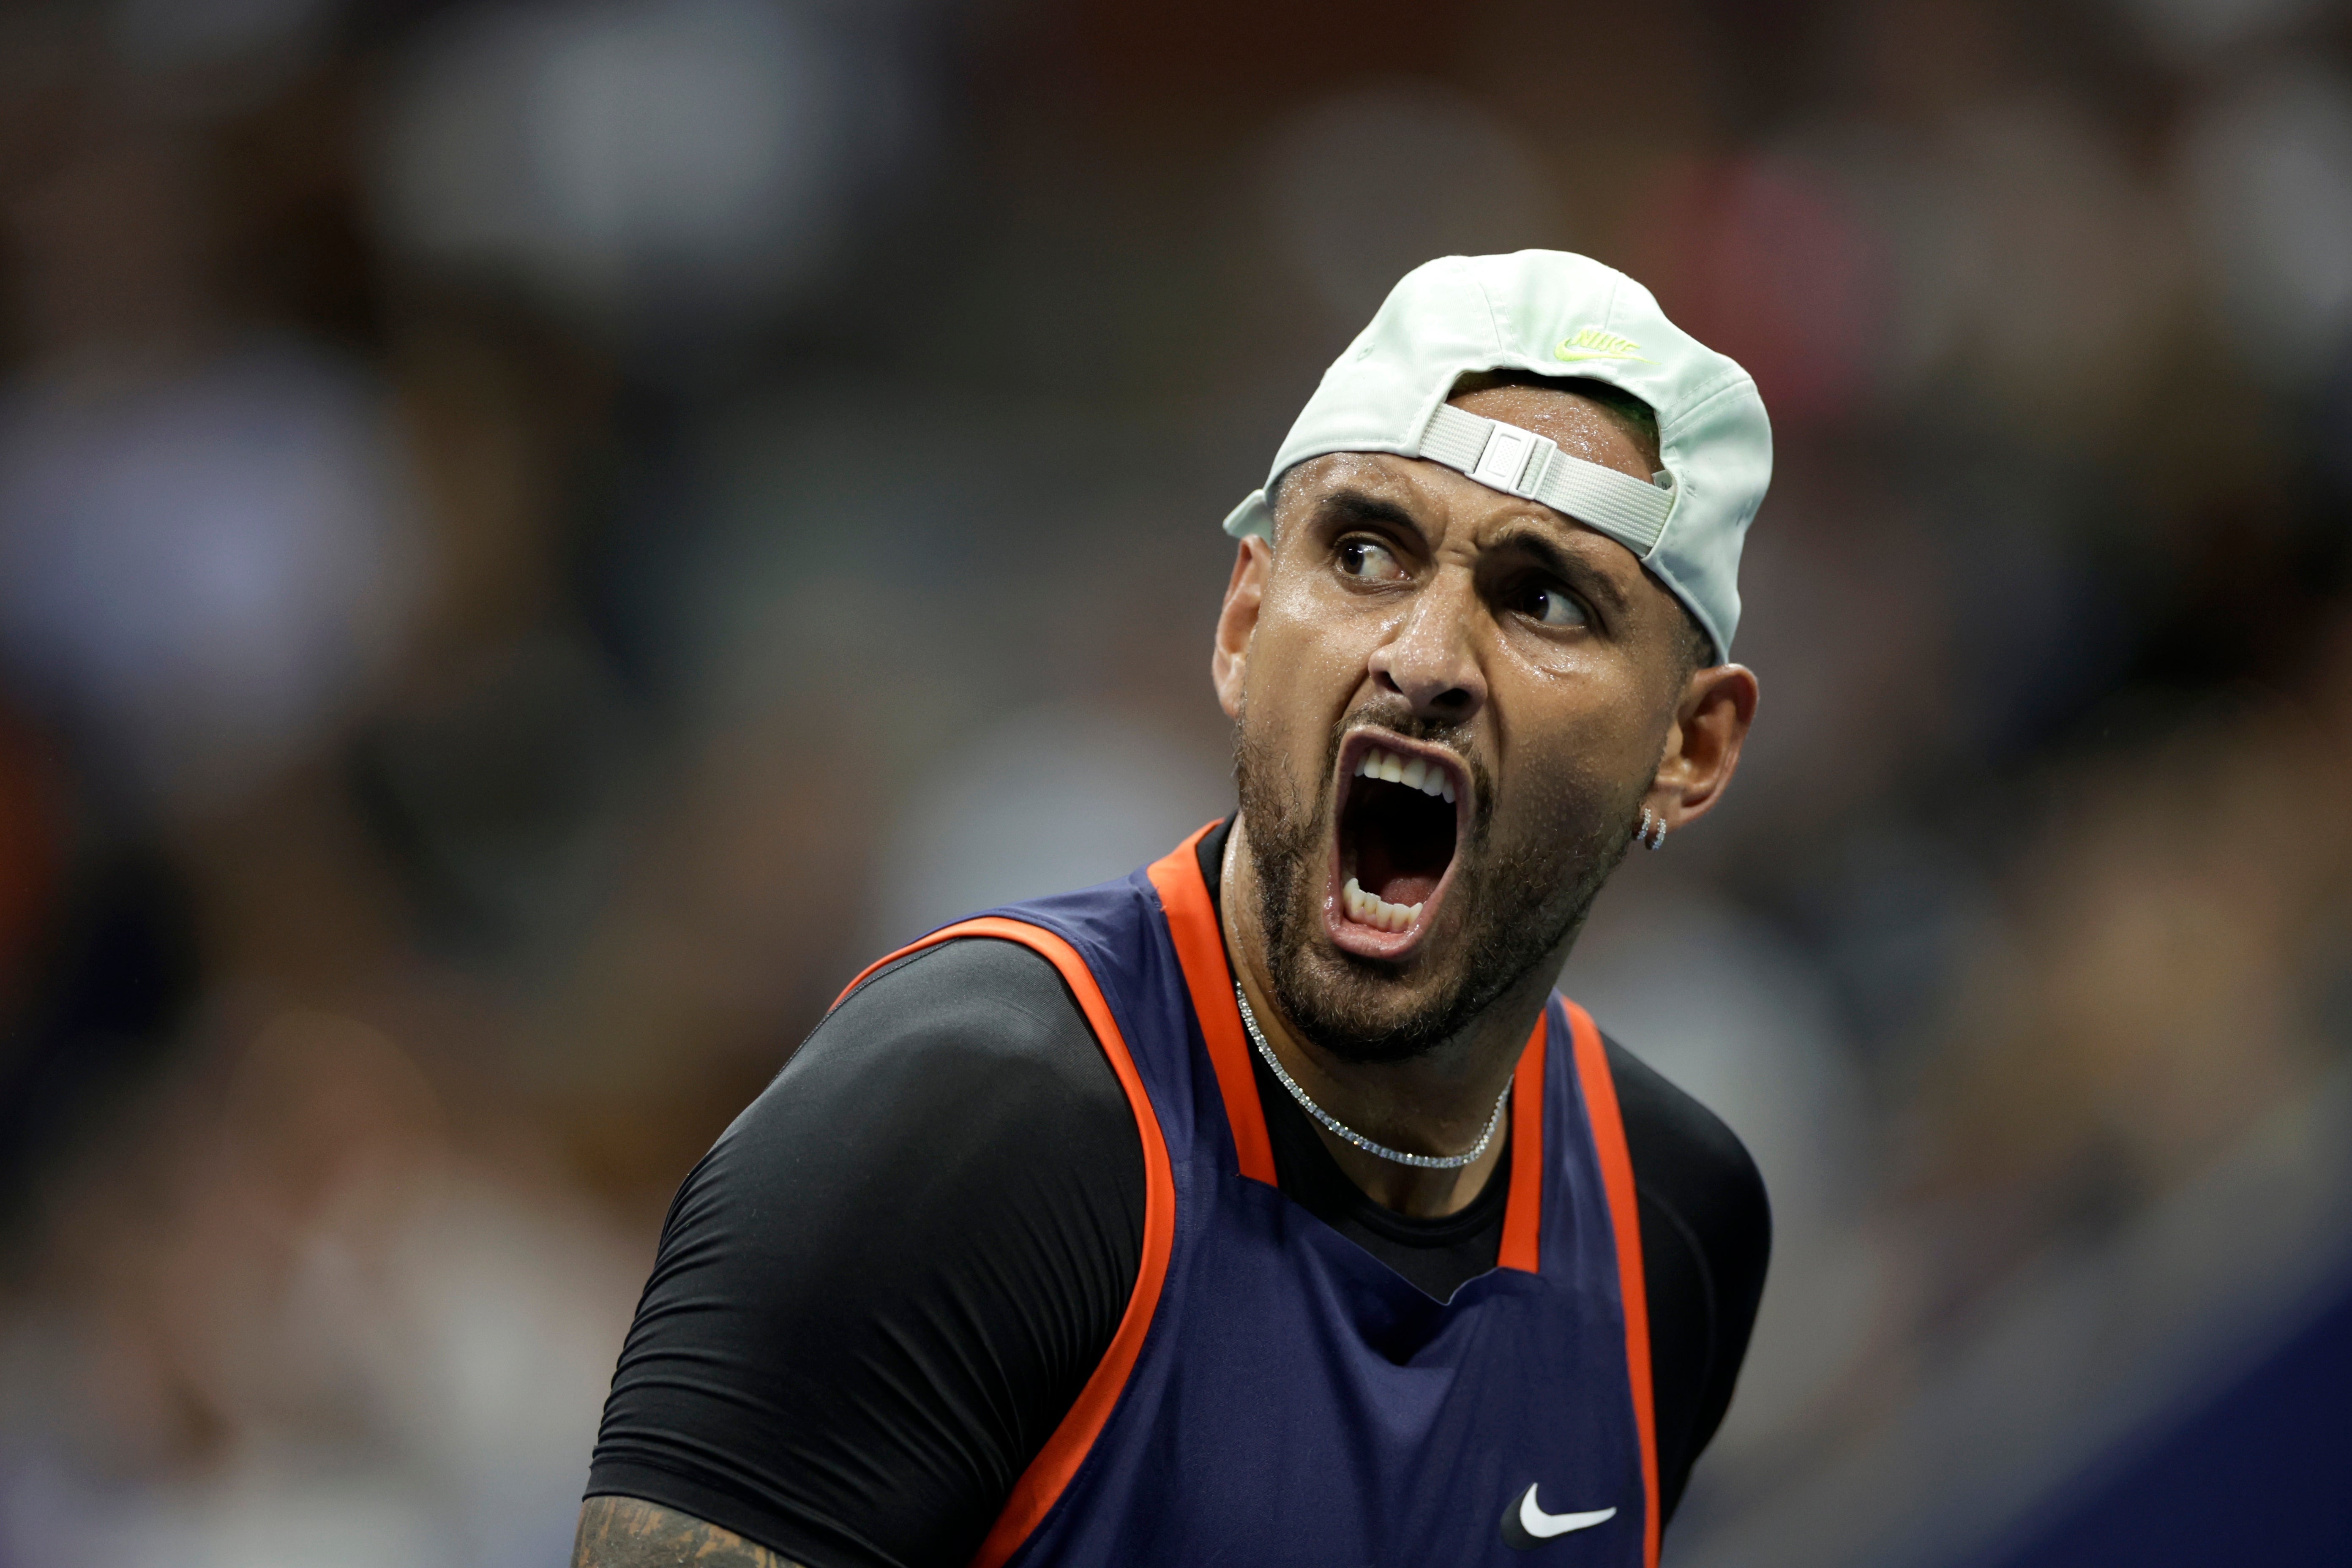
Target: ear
[
  {"x": 1229, "y": 665},
  {"x": 1703, "y": 744}
]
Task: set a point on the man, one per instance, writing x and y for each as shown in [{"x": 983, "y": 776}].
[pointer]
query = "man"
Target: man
[{"x": 1266, "y": 1206}]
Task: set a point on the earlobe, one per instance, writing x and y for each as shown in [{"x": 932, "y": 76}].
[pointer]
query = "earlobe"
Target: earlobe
[{"x": 1237, "y": 624}]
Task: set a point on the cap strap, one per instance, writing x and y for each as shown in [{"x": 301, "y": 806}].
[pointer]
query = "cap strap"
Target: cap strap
[{"x": 1522, "y": 463}]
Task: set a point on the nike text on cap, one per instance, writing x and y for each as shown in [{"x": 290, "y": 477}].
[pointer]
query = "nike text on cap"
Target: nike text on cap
[{"x": 1552, "y": 313}]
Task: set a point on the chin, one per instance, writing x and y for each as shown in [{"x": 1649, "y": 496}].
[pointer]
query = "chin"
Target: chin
[{"x": 1392, "y": 917}]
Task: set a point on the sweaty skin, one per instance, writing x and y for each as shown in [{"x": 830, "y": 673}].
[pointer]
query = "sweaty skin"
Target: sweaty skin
[
  {"x": 1405, "y": 598},
  {"x": 1401, "y": 596}
]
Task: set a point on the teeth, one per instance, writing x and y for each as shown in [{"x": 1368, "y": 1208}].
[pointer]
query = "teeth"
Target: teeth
[
  {"x": 1367, "y": 908},
  {"x": 1419, "y": 774}
]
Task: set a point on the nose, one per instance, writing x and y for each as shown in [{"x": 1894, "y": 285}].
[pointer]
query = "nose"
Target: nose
[{"x": 1429, "y": 661}]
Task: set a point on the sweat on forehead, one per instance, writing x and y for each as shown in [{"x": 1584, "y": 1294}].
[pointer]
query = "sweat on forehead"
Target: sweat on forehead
[
  {"x": 1534, "y": 318},
  {"x": 1587, "y": 419}
]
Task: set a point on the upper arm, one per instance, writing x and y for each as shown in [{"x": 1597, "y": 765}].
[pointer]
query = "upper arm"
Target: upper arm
[
  {"x": 629, "y": 1533},
  {"x": 880, "y": 1291},
  {"x": 1706, "y": 1240}
]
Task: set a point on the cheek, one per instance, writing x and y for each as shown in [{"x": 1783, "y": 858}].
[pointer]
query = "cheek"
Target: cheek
[
  {"x": 1307, "y": 658},
  {"x": 1574, "y": 754}
]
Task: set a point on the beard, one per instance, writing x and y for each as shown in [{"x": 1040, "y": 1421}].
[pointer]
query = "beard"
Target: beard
[{"x": 1524, "y": 895}]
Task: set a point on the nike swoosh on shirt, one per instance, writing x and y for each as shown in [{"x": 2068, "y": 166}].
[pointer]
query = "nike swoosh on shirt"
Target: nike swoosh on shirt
[{"x": 1526, "y": 1523}]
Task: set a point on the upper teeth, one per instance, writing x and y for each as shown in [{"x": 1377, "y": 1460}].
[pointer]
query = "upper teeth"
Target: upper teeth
[{"x": 1417, "y": 773}]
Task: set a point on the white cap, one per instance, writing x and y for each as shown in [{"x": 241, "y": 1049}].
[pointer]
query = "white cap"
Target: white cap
[{"x": 1552, "y": 313}]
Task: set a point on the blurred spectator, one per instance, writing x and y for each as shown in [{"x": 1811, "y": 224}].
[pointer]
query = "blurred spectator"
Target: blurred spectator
[
  {"x": 1049, "y": 801},
  {"x": 202, "y": 549},
  {"x": 289, "y": 1286},
  {"x": 535, "y": 539},
  {"x": 2268, "y": 164}
]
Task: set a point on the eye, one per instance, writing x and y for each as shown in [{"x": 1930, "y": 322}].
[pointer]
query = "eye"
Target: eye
[
  {"x": 1550, "y": 605},
  {"x": 1368, "y": 561}
]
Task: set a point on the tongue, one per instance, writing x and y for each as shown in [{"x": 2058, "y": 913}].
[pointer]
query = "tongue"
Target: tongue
[
  {"x": 1401, "y": 889},
  {"x": 1378, "y": 873}
]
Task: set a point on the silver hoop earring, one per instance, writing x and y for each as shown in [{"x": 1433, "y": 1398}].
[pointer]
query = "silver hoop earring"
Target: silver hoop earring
[{"x": 1653, "y": 833}]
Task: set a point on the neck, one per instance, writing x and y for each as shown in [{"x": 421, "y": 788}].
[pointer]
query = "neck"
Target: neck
[{"x": 1434, "y": 1103}]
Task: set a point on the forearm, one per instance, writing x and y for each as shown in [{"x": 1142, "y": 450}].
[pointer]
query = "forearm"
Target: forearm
[{"x": 628, "y": 1533}]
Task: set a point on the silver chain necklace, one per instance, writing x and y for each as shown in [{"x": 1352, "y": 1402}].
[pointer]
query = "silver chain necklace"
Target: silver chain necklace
[{"x": 1426, "y": 1161}]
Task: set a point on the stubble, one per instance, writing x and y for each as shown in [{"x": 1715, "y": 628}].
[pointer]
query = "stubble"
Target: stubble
[{"x": 1525, "y": 895}]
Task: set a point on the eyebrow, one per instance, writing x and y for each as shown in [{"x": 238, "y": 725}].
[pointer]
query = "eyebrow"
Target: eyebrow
[
  {"x": 1564, "y": 565},
  {"x": 1359, "y": 506}
]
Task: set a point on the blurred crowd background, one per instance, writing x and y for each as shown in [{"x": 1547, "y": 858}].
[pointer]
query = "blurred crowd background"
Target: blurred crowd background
[{"x": 536, "y": 538}]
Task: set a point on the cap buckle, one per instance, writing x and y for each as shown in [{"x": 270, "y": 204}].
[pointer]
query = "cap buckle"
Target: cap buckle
[{"x": 1514, "y": 460}]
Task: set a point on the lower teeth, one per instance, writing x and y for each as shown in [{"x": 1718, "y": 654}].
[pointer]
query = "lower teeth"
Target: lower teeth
[{"x": 1368, "y": 909}]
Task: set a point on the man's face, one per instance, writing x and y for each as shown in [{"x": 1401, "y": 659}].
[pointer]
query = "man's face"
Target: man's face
[{"x": 1521, "y": 672}]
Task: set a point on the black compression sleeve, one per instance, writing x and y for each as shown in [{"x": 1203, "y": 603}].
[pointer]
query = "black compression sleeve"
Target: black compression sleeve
[
  {"x": 882, "y": 1289},
  {"x": 878, "y": 1293}
]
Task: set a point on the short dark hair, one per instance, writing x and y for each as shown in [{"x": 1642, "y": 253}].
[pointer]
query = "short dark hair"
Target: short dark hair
[
  {"x": 1695, "y": 649},
  {"x": 1632, "y": 415}
]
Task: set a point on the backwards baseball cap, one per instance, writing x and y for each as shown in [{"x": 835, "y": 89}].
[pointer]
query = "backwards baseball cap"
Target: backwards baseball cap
[{"x": 1551, "y": 313}]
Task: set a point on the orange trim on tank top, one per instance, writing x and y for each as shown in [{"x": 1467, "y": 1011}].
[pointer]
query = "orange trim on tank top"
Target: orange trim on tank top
[
  {"x": 1041, "y": 1484},
  {"x": 1201, "y": 953},
  {"x": 1624, "y": 1219},
  {"x": 1521, "y": 1245},
  {"x": 1201, "y": 950}
]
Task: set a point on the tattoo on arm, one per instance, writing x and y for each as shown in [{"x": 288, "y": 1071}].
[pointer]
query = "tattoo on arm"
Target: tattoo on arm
[{"x": 626, "y": 1532}]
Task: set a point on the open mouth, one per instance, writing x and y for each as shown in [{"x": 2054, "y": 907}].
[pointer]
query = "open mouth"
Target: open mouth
[{"x": 1400, "y": 814}]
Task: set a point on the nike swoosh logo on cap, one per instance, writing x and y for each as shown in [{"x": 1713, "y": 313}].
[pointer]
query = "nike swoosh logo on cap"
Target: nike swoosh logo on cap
[
  {"x": 1543, "y": 1525},
  {"x": 1592, "y": 342}
]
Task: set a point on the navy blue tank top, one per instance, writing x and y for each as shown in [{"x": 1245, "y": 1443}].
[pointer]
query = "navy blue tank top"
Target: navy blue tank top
[{"x": 1275, "y": 1394}]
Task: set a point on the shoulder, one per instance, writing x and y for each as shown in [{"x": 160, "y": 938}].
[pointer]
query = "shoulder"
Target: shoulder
[
  {"x": 1687, "y": 1161},
  {"x": 882, "y": 1289},
  {"x": 954, "y": 1091},
  {"x": 984, "y": 993},
  {"x": 971, "y": 1015}
]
